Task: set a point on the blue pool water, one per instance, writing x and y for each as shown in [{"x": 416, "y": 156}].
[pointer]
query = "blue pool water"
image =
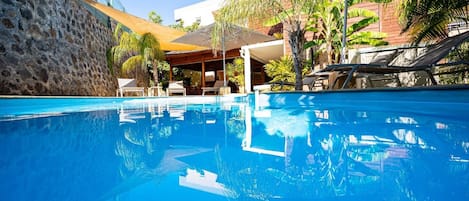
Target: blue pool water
[{"x": 393, "y": 145}]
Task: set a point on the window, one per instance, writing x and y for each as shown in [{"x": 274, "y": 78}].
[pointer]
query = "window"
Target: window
[{"x": 210, "y": 76}]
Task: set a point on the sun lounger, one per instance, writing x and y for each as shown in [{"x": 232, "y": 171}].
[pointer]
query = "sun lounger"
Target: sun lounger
[
  {"x": 215, "y": 88},
  {"x": 128, "y": 85},
  {"x": 382, "y": 71},
  {"x": 176, "y": 87}
]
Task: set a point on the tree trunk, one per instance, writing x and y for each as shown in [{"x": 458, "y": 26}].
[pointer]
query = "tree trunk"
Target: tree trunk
[
  {"x": 142, "y": 77},
  {"x": 297, "y": 41},
  {"x": 155, "y": 72},
  {"x": 329, "y": 51}
]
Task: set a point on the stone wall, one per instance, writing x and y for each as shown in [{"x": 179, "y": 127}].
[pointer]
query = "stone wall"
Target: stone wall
[{"x": 50, "y": 47}]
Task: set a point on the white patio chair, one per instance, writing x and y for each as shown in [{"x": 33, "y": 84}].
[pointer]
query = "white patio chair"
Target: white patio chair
[
  {"x": 128, "y": 85},
  {"x": 215, "y": 88},
  {"x": 176, "y": 87}
]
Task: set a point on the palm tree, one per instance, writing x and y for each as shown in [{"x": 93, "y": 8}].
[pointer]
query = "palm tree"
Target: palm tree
[
  {"x": 135, "y": 53},
  {"x": 292, "y": 13},
  {"x": 152, "y": 54},
  {"x": 155, "y": 17},
  {"x": 180, "y": 26},
  {"x": 429, "y": 19},
  {"x": 327, "y": 27}
]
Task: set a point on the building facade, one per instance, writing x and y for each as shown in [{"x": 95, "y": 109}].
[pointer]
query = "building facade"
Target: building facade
[{"x": 201, "y": 12}]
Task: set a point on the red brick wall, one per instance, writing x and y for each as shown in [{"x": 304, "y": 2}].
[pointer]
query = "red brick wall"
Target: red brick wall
[
  {"x": 258, "y": 26},
  {"x": 390, "y": 24},
  {"x": 370, "y": 6}
]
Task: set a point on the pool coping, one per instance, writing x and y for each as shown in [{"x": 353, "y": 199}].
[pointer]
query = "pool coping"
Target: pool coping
[{"x": 422, "y": 88}]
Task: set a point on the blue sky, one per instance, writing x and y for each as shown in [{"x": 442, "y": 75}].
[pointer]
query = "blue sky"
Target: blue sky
[{"x": 164, "y": 8}]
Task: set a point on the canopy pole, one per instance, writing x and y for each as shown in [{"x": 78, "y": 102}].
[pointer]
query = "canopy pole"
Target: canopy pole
[
  {"x": 344, "y": 33},
  {"x": 224, "y": 54},
  {"x": 203, "y": 73}
]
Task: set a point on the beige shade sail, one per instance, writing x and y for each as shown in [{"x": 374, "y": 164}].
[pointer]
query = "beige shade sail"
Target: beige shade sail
[{"x": 164, "y": 34}]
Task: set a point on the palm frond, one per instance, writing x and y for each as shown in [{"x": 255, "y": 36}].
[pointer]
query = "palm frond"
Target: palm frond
[
  {"x": 353, "y": 2},
  {"x": 429, "y": 32},
  {"x": 281, "y": 17},
  {"x": 241, "y": 11},
  {"x": 367, "y": 38},
  {"x": 363, "y": 23},
  {"x": 150, "y": 44},
  {"x": 120, "y": 53},
  {"x": 313, "y": 43},
  {"x": 361, "y": 12},
  {"x": 427, "y": 19},
  {"x": 132, "y": 64},
  {"x": 109, "y": 60},
  {"x": 368, "y": 34},
  {"x": 117, "y": 32}
]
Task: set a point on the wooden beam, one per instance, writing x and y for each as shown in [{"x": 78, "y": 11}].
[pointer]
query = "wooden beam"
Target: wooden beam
[
  {"x": 197, "y": 57},
  {"x": 170, "y": 73}
]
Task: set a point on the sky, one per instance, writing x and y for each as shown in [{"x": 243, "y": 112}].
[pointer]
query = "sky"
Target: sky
[{"x": 164, "y": 8}]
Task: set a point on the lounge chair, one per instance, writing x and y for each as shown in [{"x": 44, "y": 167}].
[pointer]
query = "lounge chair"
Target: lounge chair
[
  {"x": 333, "y": 80},
  {"x": 176, "y": 87},
  {"x": 323, "y": 80},
  {"x": 128, "y": 85},
  {"x": 384, "y": 58},
  {"x": 383, "y": 69},
  {"x": 215, "y": 88}
]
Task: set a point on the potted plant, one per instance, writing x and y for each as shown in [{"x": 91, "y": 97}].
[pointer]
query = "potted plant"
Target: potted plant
[{"x": 235, "y": 73}]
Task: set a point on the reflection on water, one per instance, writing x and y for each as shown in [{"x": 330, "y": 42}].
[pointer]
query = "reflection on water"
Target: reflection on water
[{"x": 158, "y": 151}]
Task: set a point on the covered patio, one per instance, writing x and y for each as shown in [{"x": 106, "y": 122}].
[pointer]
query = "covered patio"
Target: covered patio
[
  {"x": 204, "y": 62},
  {"x": 204, "y": 68}
]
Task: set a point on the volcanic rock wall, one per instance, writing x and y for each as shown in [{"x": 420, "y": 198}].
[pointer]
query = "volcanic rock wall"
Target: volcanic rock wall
[{"x": 50, "y": 47}]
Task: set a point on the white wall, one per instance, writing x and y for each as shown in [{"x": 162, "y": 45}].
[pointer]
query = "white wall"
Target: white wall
[{"x": 203, "y": 11}]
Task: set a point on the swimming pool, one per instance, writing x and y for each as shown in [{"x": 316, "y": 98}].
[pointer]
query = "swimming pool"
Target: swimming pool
[{"x": 377, "y": 145}]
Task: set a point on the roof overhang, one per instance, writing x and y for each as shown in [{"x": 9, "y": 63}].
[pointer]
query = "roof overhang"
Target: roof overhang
[{"x": 264, "y": 52}]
